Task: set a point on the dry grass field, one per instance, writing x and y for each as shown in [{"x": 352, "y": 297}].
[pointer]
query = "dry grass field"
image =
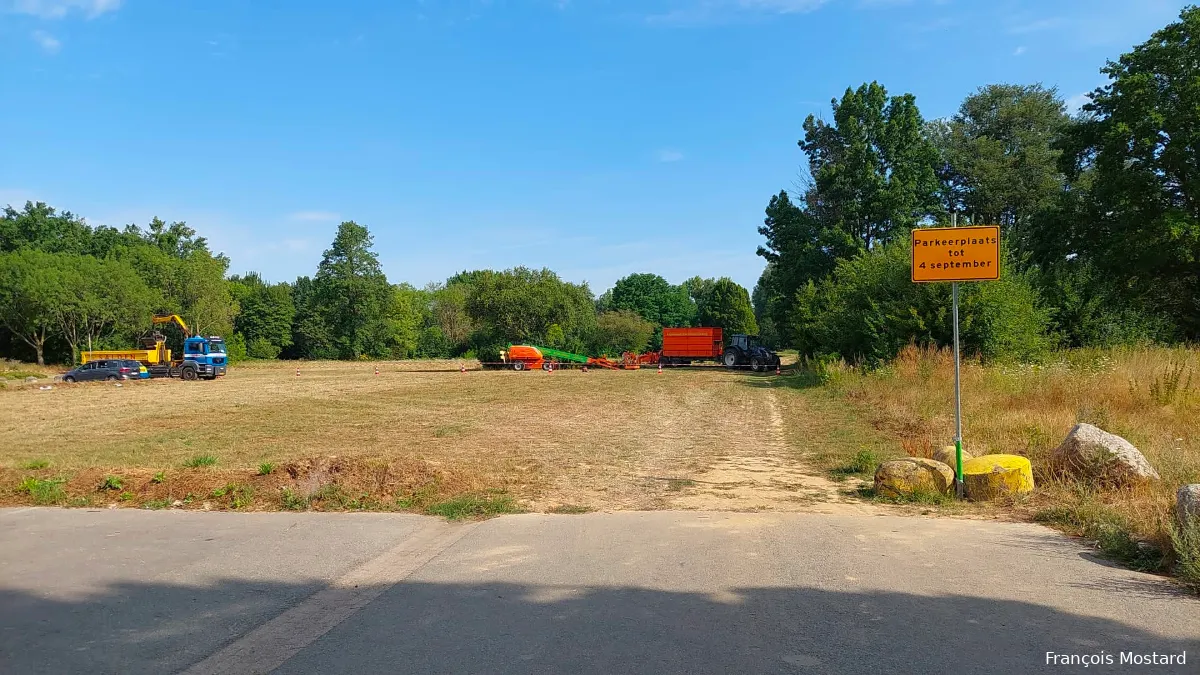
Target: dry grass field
[
  {"x": 418, "y": 434},
  {"x": 1149, "y": 396}
]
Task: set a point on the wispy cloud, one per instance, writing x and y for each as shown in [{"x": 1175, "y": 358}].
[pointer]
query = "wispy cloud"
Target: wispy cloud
[
  {"x": 314, "y": 216},
  {"x": 668, "y": 155},
  {"x": 46, "y": 41},
  {"x": 716, "y": 11},
  {"x": 57, "y": 9},
  {"x": 1076, "y": 102},
  {"x": 1019, "y": 51}
]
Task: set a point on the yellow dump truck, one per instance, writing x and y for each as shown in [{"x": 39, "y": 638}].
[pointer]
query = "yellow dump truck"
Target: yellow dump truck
[{"x": 203, "y": 358}]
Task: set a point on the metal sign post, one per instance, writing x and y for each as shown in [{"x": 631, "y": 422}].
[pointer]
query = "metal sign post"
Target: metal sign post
[{"x": 969, "y": 254}]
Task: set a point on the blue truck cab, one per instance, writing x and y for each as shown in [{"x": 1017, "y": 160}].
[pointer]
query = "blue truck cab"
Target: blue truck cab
[{"x": 203, "y": 357}]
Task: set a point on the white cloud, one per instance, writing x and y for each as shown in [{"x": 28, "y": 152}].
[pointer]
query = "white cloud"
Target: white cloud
[
  {"x": 717, "y": 11},
  {"x": 1019, "y": 51},
  {"x": 1076, "y": 102},
  {"x": 667, "y": 155},
  {"x": 46, "y": 41},
  {"x": 57, "y": 9},
  {"x": 314, "y": 216}
]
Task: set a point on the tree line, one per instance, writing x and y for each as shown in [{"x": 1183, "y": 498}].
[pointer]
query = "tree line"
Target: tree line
[
  {"x": 1099, "y": 215},
  {"x": 66, "y": 287}
]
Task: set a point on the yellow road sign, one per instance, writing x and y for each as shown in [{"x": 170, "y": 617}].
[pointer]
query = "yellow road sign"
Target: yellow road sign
[{"x": 956, "y": 254}]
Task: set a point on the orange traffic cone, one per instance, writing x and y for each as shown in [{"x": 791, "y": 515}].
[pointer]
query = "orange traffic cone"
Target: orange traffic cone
[
  {"x": 660, "y": 369},
  {"x": 462, "y": 367},
  {"x": 376, "y": 370},
  {"x": 776, "y": 368},
  {"x": 297, "y": 372},
  {"x": 585, "y": 367}
]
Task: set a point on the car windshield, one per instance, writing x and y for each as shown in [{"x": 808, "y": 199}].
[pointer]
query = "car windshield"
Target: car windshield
[{"x": 216, "y": 347}]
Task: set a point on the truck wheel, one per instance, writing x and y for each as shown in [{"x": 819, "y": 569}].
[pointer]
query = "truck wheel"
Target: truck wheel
[
  {"x": 111, "y": 378},
  {"x": 188, "y": 373},
  {"x": 731, "y": 358},
  {"x": 755, "y": 365},
  {"x": 519, "y": 365}
]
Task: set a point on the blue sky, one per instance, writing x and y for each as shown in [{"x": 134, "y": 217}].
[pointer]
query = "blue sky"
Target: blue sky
[{"x": 594, "y": 137}]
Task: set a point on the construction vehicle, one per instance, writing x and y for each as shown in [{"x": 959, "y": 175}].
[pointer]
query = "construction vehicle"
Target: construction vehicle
[
  {"x": 746, "y": 350},
  {"x": 203, "y": 357}
]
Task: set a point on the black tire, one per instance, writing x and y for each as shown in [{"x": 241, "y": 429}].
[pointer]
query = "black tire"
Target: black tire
[
  {"x": 547, "y": 365},
  {"x": 111, "y": 378},
  {"x": 70, "y": 379},
  {"x": 731, "y": 358},
  {"x": 755, "y": 364},
  {"x": 188, "y": 373},
  {"x": 519, "y": 366}
]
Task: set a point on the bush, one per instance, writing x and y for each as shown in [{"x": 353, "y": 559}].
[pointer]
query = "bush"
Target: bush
[
  {"x": 869, "y": 309},
  {"x": 262, "y": 348},
  {"x": 235, "y": 348},
  {"x": 618, "y": 332}
]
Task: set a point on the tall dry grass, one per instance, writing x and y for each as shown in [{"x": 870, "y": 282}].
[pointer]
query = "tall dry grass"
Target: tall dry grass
[{"x": 1147, "y": 395}]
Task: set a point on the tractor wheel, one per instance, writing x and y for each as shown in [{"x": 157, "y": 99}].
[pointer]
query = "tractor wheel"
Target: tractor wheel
[
  {"x": 755, "y": 364},
  {"x": 519, "y": 366},
  {"x": 188, "y": 373},
  {"x": 69, "y": 379},
  {"x": 731, "y": 358}
]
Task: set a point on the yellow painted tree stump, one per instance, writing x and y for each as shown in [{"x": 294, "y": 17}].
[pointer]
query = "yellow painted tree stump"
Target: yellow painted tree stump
[{"x": 991, "y": 476}]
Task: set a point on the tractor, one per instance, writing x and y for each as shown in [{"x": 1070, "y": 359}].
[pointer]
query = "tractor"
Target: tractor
[{"x": 744, "y": 349}]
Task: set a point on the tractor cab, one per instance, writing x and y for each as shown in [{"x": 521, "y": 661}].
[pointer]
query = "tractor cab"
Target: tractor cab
[{"x": 744, "y": 342}]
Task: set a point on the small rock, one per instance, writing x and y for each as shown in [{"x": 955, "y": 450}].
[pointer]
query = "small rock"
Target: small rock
[
  {"x": 902, "y": 477},
  {"x": 206, "y": 506},
  {"x": 991, "y": 476},
  {"x": 177, "y": 503},
  {"x": 31, "y": 379},
  {"x": 1187, "y": 506},
  {"x": 1092, "y": 453},
  {"x": 946, "y": 455}
]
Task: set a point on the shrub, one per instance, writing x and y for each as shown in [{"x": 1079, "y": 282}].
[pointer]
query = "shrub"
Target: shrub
[
  {"x": 44, "y": 491},
  {"x": 200, "y": 461},
  {"x": 262, "y": 348},
  {"x": 265, "y": 469},
  {"x": 869, "y": 309},
  {"x": 110, "y": 483}
]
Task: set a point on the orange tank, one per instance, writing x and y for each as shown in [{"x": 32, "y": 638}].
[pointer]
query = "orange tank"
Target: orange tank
[{"x": 522, "y": 357}]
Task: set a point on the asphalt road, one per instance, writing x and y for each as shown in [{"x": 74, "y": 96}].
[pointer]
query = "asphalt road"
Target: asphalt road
[{"x": 123, "y": 591}]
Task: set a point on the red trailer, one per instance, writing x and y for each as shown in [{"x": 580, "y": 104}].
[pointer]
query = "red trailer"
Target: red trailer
[{"x": 684, "y": 345}]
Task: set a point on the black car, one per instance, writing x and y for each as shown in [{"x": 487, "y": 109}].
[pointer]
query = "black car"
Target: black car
[{"x": 105, "y": 369}]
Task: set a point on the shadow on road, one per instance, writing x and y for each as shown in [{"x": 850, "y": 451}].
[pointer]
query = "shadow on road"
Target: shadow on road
[{"x": 423, "y": 627}]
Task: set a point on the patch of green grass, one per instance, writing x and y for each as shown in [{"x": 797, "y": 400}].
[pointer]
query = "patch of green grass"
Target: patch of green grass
[
  {"x": 156, "y": 504},
  {"x": 266, "y": 469},
  {"x": 200, "y": 461},
  {"x": 571, "y": 509},
  {"x": 473, "y": 506},
  {"x": 863, "y": 462},
  {"x": 1186, "y": 542},
  {"x": 36, "y": 464},
  {"x": 677, "y": 484},
  {"x": 126, "y": 496},
  {"x": 1112, "y": 532},
  {"x": 240, "y": 496},
  {"x": 44, "y": 491},
  {"x": 110, "y": 483},
  {"x": 159, "y": 477},
  {"x": 79, "y": 502},
  {"x": 292, "y": 500},
  {"x": 449, "y": 430}
]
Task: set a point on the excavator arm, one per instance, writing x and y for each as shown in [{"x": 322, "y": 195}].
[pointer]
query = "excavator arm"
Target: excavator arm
[{"x": 173, "y": 318}]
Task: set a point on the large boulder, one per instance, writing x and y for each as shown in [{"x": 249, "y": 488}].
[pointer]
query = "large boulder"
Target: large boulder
[
  {"x": 992, "y": 476},
  {"x": 903, "y": 477},
  {"x": 1187, "y": 506},
  {"x": 1092, "y": 453},
  {"x": 947, "y": 455}
]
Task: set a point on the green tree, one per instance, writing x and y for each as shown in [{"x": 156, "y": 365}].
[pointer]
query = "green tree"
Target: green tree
[
  {"x": 449, "y": 314},
  {"x": 1134, "y": 156},
  {"x": 101, "y": 298},
  {"x": 520, "y": 305},
  {"x": 353, "y": 293},
  {"x": 620, "y": 331},
  {"x": 39, "y": 226},
  {"x": 405, "y": 320},
  {"x": 265, "y": 315},
  {"x": 998, "y": 160},
  {"x": 654, "y": 299},
  {"x": 727, "y": 306},
  {"x": 31, "y": 294},
  {"x": 873, "y": 170},
  {"x": 310, "y": 333}
]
